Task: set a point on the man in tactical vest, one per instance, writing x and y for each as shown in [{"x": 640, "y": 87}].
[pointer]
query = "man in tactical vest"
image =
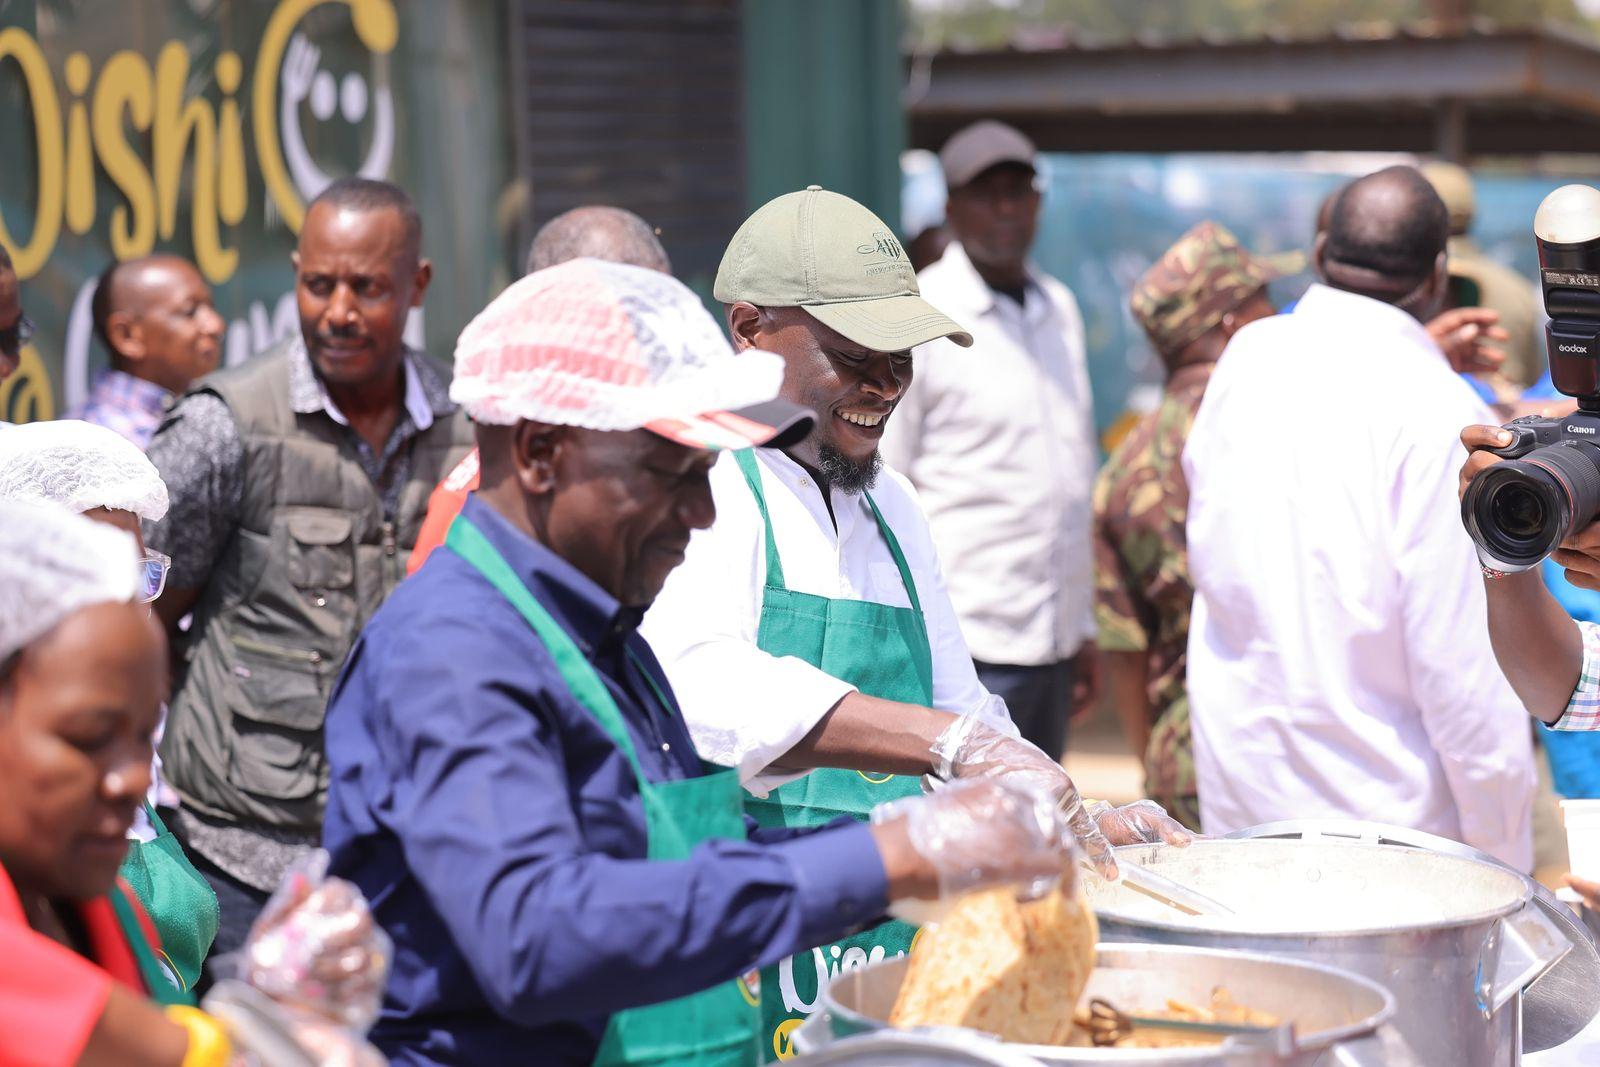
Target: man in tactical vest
[{"x": 298, "y": 482}]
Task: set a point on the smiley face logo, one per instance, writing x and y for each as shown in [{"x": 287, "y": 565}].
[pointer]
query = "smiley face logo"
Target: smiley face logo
[
  {"x": 783, "y": 1039},
  {"x": 306, "y": 84}
]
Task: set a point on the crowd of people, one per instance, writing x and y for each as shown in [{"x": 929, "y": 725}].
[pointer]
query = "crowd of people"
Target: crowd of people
[{"x": 597, "y": 695}]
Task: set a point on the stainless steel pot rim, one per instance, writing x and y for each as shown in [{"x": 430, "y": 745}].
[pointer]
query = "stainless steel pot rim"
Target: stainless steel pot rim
[
  {"x": 1322, "y": 1038},
  {"x": 1135, "y": 852}
]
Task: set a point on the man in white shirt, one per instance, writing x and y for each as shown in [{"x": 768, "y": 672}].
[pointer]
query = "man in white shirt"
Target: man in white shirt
[
  {"x": 808, "y": 634},
  {"x": 1337, "y": 664},
  {"x": 999, "y": 441}
]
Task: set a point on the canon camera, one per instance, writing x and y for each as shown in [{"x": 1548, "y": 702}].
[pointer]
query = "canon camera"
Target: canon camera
[{"x": 1548, "y": 487}]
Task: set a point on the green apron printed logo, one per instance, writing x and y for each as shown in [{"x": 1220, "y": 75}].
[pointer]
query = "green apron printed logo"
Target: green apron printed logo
[{"x": 875, "y": 779}]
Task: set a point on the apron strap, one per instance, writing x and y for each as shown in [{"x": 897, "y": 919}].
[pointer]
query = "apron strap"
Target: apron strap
[
  {"x": 899, "y": 557},
  {"x": 157, "y": 985},
  {"x": 468, "y": 542},
  {"x": 746, "y": 458}
]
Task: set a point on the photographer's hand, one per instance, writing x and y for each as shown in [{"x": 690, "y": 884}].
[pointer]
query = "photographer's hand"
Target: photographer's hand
[{"x": 1538, "y": 647}]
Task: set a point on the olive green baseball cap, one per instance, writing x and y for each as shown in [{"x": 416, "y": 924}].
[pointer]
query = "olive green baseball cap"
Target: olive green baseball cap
[{"x": 829, "y": 255}]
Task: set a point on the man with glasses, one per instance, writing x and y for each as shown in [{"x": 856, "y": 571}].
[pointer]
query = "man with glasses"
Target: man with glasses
[
  {"x": 16, "y": 329},
  {"x": 93, "y": 471},
  {"x": 999, "y": 441}
]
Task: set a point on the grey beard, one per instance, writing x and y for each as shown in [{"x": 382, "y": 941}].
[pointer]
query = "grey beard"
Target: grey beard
[{"x": 843, "y": 473}]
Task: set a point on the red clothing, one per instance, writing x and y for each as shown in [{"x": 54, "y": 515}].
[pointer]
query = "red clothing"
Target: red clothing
[
  {"x": 51, "y": 997},
  {"x": 443, "y": 507}
]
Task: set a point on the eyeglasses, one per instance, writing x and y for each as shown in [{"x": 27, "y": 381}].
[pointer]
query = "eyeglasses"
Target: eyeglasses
[
  {"x": 153, "y": 566},
  {"x": 19, "y": 334}
]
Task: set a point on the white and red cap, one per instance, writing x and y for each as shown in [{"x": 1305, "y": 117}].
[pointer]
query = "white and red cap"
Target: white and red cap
[{"x": 613, "y": 347}]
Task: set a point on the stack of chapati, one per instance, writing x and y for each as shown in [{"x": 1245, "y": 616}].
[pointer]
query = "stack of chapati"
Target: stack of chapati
[{"x": 1008, "y": 967}]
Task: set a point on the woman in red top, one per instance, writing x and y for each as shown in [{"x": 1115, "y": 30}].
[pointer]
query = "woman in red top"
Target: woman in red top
[{"x": 82, "y": 676}]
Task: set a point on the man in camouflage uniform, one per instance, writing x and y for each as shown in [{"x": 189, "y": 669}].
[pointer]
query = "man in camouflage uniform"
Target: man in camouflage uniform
[{"x": 1203, "y": 290}]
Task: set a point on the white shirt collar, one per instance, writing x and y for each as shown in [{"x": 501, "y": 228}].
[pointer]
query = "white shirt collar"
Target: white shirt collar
[
  {"x": 970, "y": 290},
  {"x": 1324, "y": 301}
]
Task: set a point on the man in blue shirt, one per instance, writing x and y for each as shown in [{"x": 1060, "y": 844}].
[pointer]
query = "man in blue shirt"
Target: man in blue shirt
[{"x": 512, "y": 783}]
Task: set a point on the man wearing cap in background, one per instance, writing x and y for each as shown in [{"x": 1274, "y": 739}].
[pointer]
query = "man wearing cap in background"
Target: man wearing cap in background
[
  {"x": 1190, "y": 303},
  {"x": 1477, "y": 280},
  {"x": 999, "y": 441},
  {"x": 808, "y": 629},
  {"x": 512, "y": 782}
]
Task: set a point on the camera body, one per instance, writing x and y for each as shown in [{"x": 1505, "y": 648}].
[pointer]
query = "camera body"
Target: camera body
[{"x": 1518, "y": 511}]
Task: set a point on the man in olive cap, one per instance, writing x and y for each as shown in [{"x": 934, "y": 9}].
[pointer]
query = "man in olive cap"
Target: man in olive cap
[
  {"x": 1002, "y": 438},
  {"x": 808, "y": 632},
  {"x": 1190, "y": 303}
]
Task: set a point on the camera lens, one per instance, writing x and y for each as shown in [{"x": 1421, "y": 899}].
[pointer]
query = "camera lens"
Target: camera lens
[{"x": 1518, "y": 511}]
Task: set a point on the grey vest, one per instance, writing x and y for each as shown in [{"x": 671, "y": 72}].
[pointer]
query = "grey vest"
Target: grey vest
[{"x": 311, "y": 559}]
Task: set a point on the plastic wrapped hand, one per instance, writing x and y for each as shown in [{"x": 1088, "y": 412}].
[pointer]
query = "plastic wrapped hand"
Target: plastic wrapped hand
[
  {"x": 315, "y": 947},
  {"x": 265, "y": 1033},
  {"x": 972, "y": 835},
  {"x": 1144, "y": 822},
  {"x": 972, "y": 748}
]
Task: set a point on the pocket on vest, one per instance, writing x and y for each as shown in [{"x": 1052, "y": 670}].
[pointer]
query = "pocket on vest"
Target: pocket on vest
[
  {"x": 277, "y": 736},
  {"x": 321, "y": 554}
]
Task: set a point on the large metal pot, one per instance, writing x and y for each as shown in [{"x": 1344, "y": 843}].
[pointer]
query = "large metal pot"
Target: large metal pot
[
  {"x": 1562, "y": 1001},
  {"x": 1454, "y": 939},
  {"x": 1340, "y": 1020}
]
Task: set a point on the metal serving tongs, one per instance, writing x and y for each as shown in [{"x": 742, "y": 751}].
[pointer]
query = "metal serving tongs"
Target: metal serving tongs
[
  {"x": 1108, "y": 1025},
  {"x": 1160, "y": 887}
]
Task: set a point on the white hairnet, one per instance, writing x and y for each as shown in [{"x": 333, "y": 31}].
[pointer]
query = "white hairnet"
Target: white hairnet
[
  {"x": 53, "y": 563},
  {"x": 80, "y": 466}
]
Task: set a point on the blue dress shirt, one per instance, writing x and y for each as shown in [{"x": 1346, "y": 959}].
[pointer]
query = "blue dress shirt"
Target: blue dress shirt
[{"x": 500, "y": 837}]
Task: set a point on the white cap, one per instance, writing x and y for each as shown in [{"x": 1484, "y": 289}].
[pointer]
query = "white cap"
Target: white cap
[
  {"x": 614, "y": 347},
  {"x": 79, "y": 466},
  {"x": 54, "y": 563}
]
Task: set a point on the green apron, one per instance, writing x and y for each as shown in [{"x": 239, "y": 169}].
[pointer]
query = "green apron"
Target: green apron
[
  {"x": 882, "y": 651},
  {"x": 717, "y": 1027},
  {"x": 176, "y": 897},
  {"x": 156, "y": 982}
]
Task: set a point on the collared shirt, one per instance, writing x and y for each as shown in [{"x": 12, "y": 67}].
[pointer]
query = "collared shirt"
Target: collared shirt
[
  {"x": 999, "y": 441},
  {"x": 200, "y": 456},
  {"x": 1583, "y": 710},
  {"x": 1339, "y": 666},
  {"x": 747, "y": 707},
  {"x": 499, "y": 833},
  {"x": 1142, "y": 586},
  {"x": 130, "y": 406}
]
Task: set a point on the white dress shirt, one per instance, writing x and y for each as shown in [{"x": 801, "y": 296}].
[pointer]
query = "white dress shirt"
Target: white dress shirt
[
  {"x": 999, "y": 441},
  {"x": 744, "y": 706},
  {"x": 1339, "y": 658}
]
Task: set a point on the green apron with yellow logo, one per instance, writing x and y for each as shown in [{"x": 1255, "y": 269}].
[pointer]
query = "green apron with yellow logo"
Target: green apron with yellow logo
[
  {"x": 714, "y": 1028},
  {"x": 883, "y": 651},
  {"x": 145, "y": 955},
  {"x": 180, "y": 903}
]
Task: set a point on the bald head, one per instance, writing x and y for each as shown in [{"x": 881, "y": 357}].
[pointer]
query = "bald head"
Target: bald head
[
  {"x": 156, "y": 318},
  {"x": 609, "y": 233},
  {"x": 1385, "y": 239}
]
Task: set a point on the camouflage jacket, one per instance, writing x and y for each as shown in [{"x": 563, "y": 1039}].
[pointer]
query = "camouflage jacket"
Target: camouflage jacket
[{"x": 1142, "y": 586}]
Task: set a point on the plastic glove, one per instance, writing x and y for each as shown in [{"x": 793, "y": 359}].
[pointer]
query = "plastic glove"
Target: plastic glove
[
  {"x": 266, "y": 1033},
  {"x": 974, "y": 835},
  {"x": 1144, "y": 822},
  {"x": 316, "y": 949},
  {"x": 971, "y": 748}
]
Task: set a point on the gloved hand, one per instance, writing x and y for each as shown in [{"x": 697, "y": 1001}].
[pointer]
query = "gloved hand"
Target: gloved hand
[
  {"x": 971, "y": 748},
  {"x": 1144, "y": 822},
  {"x": 315, "y": 948},
  {"x": 973, "y": 835}
]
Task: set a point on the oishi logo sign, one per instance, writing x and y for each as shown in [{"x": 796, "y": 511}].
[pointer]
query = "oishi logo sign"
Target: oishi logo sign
[{"x": 137, "y": 121}]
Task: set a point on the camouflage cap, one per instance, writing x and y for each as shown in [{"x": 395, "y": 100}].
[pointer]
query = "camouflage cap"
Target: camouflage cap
[{"x": 1197, "y": 281}]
